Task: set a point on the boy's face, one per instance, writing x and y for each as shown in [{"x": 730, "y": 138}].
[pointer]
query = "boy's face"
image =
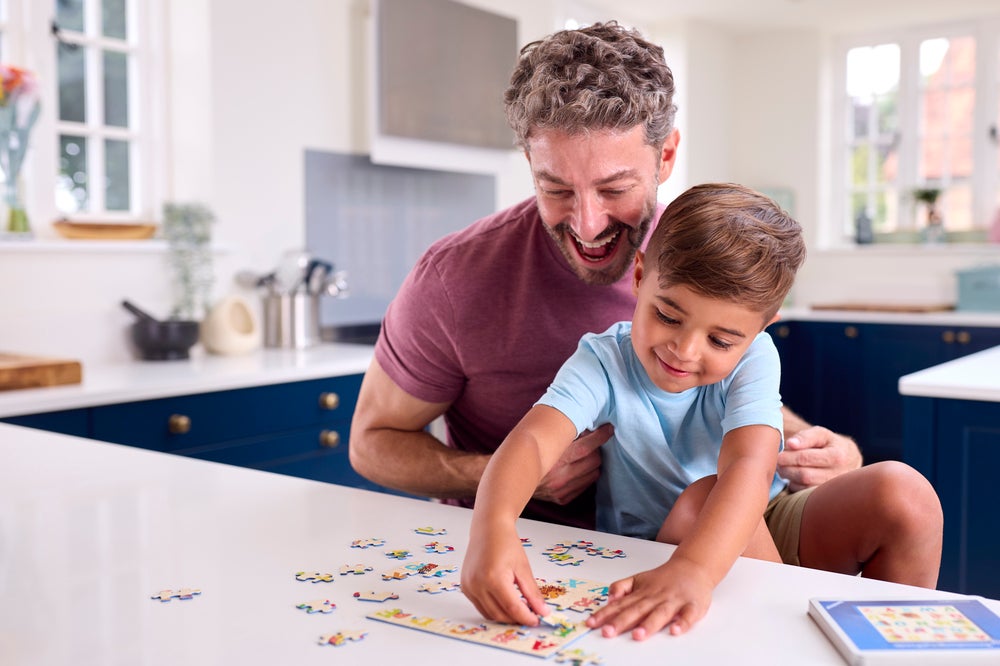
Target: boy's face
[{"x": 685, "y": 339}]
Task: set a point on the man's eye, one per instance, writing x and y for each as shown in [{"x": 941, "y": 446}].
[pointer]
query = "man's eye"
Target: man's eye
[{"x": 556, "y": 194}]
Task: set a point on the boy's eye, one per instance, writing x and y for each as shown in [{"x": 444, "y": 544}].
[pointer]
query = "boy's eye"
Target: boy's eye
[
  {"x": 665, "y": 318},
  {"x": 720, "y": 343}
]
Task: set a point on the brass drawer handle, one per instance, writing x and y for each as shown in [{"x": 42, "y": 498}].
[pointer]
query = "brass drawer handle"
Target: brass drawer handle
[
  {"x": 329, "y": 401},
  {"x": 964, "y": 337},
  {"x": 851, "y": 331},
  {"x": 179, "y": 424},
  {"x": 948, "y": 337},
  {"x": 783, "y": 331},
  {"x": 329, "y": 439}
]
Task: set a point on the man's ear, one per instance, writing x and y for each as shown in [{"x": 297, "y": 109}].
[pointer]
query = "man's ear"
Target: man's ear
[
  {"x": 637, "y": 272},
  {"x": 668, "y": 156}
]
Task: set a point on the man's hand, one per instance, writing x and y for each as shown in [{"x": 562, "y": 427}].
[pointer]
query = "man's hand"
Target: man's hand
[
  {"x": 578, "y": 467},
  {"x": 815, "y": 455}
]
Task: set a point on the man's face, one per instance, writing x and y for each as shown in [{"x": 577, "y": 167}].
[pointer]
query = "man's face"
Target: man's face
[{"x": 596, "y": 194}]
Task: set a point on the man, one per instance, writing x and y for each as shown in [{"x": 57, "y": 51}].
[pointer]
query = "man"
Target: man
[{"x": 487, "y": 316}]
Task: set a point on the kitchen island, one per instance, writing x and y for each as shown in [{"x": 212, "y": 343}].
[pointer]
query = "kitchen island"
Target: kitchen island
[
  {"x": 951, "y": 434},
  {"x": 90, "y": 531}
]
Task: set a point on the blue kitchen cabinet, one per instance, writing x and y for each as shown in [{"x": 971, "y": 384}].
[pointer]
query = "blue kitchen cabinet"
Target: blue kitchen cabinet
[
  {"x": 844, "y": 375},
  {"x": 68, "y": 421},
  {"x": 298, "y": 428},
  {"x": 956, "y": 445}
]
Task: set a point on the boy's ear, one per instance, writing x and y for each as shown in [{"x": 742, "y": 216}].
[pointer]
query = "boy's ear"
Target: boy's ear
[
  {"x": 775, "y": 318},
  {"x": 637, "y": 272}
]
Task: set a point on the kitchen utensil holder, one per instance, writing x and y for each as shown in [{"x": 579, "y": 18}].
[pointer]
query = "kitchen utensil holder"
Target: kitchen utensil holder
[{"x": 291, "y": 321}]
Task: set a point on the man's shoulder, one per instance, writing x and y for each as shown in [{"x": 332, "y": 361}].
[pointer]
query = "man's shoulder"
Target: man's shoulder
[{"x": 509, "y": 223}]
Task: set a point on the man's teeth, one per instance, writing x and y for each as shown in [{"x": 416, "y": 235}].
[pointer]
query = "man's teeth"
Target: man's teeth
[{"x": 593, "y": 245}]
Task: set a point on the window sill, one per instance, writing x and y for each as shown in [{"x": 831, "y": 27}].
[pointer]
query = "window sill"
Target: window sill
[
  {"x": 906, "y": 249},
  {"x": 57, "y": 246}
]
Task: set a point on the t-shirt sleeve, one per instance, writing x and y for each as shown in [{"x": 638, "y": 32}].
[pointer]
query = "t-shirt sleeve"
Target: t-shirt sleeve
[
  {"x": 581, "y": 390},
  {"x": 753, "y": 397},
  {"x": 416, "y": 346}
]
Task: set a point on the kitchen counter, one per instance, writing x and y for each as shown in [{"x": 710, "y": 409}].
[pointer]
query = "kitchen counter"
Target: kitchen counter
[
  {"x": 89, "y": 531},
  {"x": 143, "y": 380},
  {"x": 973, "y": 377},
  {"x": 946, "y": 318}
]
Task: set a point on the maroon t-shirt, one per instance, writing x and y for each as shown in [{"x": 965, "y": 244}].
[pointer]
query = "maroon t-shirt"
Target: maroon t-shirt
[{"x": 484, "y": 321}]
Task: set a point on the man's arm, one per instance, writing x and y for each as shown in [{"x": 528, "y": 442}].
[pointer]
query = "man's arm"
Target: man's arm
[
  {"x": 389, "y": 445},
  {"x": 813, "y": 454}
]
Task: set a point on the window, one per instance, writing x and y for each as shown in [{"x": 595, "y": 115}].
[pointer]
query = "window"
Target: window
[
  {"x": 916, "y": 132},
  {"x": 92, "y": 152}
]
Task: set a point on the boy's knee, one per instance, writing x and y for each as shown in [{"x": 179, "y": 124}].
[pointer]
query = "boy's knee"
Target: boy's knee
[{"x": 905, "y": 498}]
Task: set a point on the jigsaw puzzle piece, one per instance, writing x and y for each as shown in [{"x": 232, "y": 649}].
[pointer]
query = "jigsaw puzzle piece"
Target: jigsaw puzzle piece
[
  {"x": 341, "y": 637},
  {"x": 379, "y": 597},
  {"x": 317, "y": 606},
  {"x": 315, "y": 577}
]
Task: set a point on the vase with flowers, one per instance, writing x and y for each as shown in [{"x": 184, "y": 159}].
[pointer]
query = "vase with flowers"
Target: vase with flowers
[{"x": 19, "y": 109}]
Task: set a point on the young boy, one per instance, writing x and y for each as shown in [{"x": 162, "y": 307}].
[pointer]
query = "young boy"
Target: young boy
[{"x": 691, "y": 387}]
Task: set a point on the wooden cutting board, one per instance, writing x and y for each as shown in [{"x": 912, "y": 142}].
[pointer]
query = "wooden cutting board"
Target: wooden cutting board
[
  {"x": 886, "y": 307},
  {"x": 17, "y": 371}
]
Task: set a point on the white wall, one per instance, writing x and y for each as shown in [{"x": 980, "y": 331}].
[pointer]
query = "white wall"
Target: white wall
[{"x": 251, "y": 90}]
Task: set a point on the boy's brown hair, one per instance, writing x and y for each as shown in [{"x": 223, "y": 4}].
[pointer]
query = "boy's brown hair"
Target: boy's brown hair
[{"x": 727, "y": 241}]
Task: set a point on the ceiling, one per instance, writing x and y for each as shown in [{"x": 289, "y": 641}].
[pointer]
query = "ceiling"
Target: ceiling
[{"x": 754, "y": 15}]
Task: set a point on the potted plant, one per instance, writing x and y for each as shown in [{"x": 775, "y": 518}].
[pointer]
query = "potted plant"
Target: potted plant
[
  {"x": 929, "y": 196},
  {"x": 187, "y": 229}
]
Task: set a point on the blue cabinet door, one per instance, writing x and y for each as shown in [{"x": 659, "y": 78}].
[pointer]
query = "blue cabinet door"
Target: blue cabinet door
[{"x": 956, "y": 445}]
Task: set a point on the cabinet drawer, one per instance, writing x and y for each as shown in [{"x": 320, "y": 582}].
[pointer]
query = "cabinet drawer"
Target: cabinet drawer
[
  {"x": 173, "y": 424},
  {"x": 309, "y": 453},
  {"x": 258, "y": 452},
  {"x": 68, "y": 422}
]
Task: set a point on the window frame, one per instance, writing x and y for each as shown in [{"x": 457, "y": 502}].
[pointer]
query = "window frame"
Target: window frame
[
  {"x": 32, "y": 44},
  {"x": 984, "y": 181}
]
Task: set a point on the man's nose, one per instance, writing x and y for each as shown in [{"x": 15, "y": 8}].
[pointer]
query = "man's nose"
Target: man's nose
[{"x": 590, "y": 218}]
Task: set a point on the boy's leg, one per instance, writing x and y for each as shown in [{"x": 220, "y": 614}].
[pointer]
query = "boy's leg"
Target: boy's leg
[
  {"x": 883, "y": 520},
  {"x": 684, "y": 513}
]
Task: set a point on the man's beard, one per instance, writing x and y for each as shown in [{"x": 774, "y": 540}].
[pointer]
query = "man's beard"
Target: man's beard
[{"x": 632, "y": 237}]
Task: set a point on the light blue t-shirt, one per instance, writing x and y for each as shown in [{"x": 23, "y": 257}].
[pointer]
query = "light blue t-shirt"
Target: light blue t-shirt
[{"x": 663, "y": 442}]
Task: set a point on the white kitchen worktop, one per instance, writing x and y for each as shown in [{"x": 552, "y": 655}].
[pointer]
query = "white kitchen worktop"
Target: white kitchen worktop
[
  {"x": 948, "y": 318},
  {"x": 972, "y": 377},
  {"x": 145, "y": 380},
  {"x": 90, "y": 530}
]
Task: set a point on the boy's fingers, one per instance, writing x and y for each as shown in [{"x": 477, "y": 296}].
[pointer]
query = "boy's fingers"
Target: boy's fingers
[{"x": 532, "y": 596}]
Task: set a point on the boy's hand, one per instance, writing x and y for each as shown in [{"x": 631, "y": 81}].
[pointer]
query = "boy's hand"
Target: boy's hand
[
  {"x": 495, "y": 575},
  {"x": 676, "y": 594}
]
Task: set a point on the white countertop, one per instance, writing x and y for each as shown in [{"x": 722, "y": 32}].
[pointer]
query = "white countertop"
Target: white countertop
[
  {"x": 145, "y": 380},
  {"x": 90, "y": 530},
  {"x": 949, "y": 318},
  {"x": 972, "y": 377}
]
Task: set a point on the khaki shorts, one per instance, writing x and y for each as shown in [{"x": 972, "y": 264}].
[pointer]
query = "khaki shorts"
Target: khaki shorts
[{"x": 783, "y": 516}]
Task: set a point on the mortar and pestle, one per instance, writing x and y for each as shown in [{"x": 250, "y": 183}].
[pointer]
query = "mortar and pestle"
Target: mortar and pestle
[{"x": 162, "y": 340}]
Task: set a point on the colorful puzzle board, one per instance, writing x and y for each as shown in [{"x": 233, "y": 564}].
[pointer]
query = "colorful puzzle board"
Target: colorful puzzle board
[
  {"x": 871, "y": 631},
  {"x": 545, "y": 640}
]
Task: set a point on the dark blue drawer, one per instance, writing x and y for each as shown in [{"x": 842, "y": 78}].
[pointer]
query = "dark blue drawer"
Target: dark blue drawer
[
  {"x": 184, "y": 422},
  {"x": 68, "y": 422}
]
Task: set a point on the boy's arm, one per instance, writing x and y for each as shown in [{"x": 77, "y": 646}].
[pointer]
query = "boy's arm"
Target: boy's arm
[
  {"x": 679, "y": 592},
  {"x": 495, "y": 566}
]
